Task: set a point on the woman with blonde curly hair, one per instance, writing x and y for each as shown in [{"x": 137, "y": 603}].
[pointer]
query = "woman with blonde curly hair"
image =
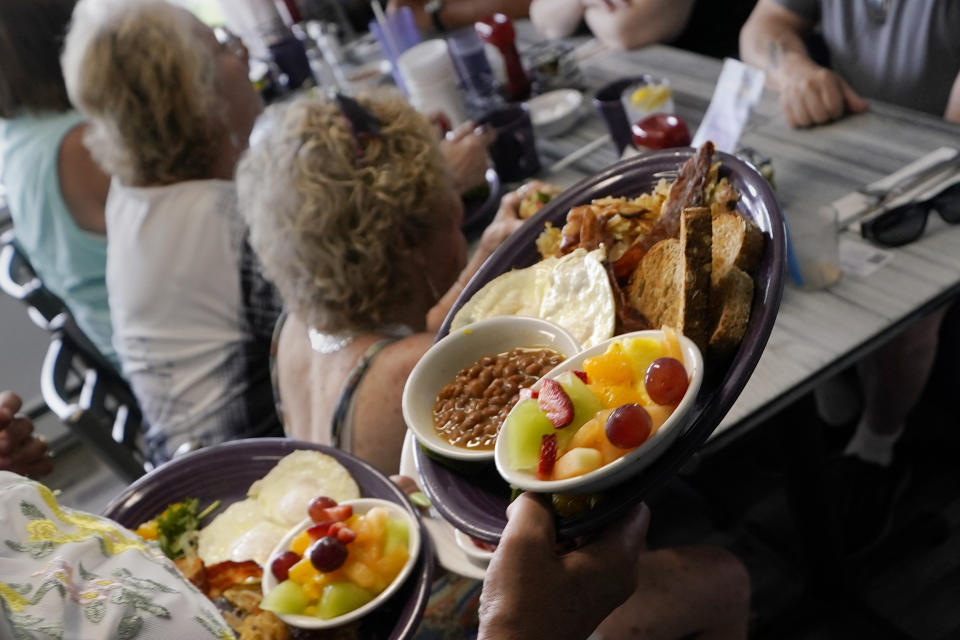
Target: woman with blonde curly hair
[
  {"x": 354, "y": 216},
  {"x": 170, "y": 112}
]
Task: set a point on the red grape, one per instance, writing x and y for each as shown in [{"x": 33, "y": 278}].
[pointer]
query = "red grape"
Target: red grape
[
  {"x": 666, "y": 381},
  {"x": 628, "y": 426},
  {"x": 282, "y": 563},
  {"x": 327, "y": 554},
  {"x": 317, "y": 507}
]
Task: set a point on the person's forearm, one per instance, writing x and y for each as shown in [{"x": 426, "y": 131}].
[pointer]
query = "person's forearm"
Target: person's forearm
[
  {"x": 460, "y": 13},
  {"x": 768, "y": 42},
  {"x": 639, "y": 24},
  {"x": 556, "y": 18},
  {"x": 440, "y": 310},
  {"x": 952, "y": 112}
]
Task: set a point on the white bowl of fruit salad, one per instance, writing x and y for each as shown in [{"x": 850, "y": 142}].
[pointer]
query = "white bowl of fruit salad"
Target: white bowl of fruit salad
[
  {"x": 341, "y": 563},
  {"x": 602, "y": 415}
]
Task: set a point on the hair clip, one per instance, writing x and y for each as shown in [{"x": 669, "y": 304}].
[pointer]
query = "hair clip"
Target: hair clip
[{"x": 363, "y": 124}]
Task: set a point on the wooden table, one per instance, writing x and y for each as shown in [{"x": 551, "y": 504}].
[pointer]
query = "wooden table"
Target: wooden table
[{"x": 817, "y": 333}]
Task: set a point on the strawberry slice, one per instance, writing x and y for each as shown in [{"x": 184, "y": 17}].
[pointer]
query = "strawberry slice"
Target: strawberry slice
[
  {"x": 342, "y": 532},
  {"x": 319, "y": 530},
  {"x": 548, "y": 456},
  {"x": 582, "y": 375},
  {"x": 339, "y": 513},
  {"x": 555, "y": 403}
]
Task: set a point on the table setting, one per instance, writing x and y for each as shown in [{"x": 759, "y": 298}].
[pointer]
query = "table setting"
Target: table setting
[{"x": 863, "y": 259}]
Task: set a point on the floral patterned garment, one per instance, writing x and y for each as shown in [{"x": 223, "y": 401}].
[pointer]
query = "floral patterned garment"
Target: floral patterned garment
[{"x": 65, "y": 574}]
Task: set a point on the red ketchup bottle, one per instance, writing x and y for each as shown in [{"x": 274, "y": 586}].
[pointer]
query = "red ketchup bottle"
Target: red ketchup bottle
[{"x": 498, "y": 31}]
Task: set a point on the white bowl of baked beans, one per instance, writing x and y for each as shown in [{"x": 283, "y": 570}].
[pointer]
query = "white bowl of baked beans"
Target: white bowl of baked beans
[{"x": 462, "y": 388}]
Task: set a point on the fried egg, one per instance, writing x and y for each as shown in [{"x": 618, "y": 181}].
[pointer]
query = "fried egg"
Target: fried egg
[
  {"x": 251, "y": 528},
  {"x": 573, "y": 291}
]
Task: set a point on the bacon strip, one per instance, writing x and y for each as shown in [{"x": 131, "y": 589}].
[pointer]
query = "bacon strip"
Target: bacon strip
[
  {"x": 224, "y": 575},
  {"x": 686, "y": 191}
]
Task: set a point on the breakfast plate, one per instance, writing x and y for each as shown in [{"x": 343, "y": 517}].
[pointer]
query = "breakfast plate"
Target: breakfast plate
[
  {"x": 475, "y": 502},
  {"x": 449, "y": 554},
  {"x": 224, "y": 472}
]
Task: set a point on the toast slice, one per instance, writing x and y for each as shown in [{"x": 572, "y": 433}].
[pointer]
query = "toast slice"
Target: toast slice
[
  {"x": 671, "y": 285},
  {"x": 730, "y": 302},
  {"x": 737, "y": 242}
]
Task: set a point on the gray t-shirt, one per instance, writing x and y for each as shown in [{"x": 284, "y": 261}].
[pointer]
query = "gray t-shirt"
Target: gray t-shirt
[{"x": 905, "y": 52}]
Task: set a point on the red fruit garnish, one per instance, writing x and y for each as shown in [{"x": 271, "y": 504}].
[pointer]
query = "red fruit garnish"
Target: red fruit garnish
[
  {"x": 555, "y": 402},
  {"x": 340, "y": 512},
  {"x": 582, "y": 375},
  {"x": 342, "y": 532},
  {"x": 280, "y": 567},
  {"x": 327, "y": 554},
  {"x": 317, "y": 505},
  {"x": 548, "y": 456},
  {"x": 666, "y": 381},
  {"x": 480, "y": 544},
  {"x": 320, "y": 529},
  {"x": 628, "y": 426}
]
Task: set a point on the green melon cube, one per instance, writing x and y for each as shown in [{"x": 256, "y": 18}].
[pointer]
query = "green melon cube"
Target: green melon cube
[
  {"x": 340, "y": 598},
  {"x": 397, "y": 536},
  {"x": 585, "y": 402},
  {"x": 525, "y": 427},
  {"x": 286, "y": 597}
]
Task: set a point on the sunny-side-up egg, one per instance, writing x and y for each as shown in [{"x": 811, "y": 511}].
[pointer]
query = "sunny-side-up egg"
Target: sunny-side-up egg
[
  {"x": 573, "y": 291},
  {"x": 251, "y": 528}
]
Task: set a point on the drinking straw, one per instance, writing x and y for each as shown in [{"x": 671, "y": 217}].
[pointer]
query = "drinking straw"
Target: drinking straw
[{"x": 394, "y": 52}]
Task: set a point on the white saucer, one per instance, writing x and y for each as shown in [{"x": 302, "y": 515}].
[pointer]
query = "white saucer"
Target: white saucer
[
  {"x": 449, "y": 554},
  {"x": 554, "y": 112}
]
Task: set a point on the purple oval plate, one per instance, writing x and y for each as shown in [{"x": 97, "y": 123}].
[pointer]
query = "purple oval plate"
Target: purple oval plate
[
  {"x": 474, "y": 499},
  {"x": 479, "y": 211},
  {"x": 225, "y": 471}
]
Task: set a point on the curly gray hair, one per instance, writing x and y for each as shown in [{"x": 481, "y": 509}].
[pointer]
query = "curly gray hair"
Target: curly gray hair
[{"x": 332, "y": 232}]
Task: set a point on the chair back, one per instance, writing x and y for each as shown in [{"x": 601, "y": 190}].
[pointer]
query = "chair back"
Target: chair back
[
  {"x": 79, "y": 385},
  {"x": 96, "y": 404},
  {"x": 19, "y": 280}
]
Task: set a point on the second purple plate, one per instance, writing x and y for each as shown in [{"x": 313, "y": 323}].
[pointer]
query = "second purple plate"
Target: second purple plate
[
  {"x": 473, "y": 499},
  {"x": 225, "y": 471}
]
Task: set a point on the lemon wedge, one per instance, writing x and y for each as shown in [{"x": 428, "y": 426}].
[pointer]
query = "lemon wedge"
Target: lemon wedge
[{"x": 651, "y": 97}]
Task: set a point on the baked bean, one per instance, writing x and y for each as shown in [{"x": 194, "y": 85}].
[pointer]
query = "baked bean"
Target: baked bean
[{"x": 469, "y": 410}]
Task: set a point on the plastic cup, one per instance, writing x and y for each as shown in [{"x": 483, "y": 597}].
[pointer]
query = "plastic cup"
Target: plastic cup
[
  {"x": 431, "y": 82},
  {"x": 473, "y": 70},
  {"x": 514, "y": 151},
  {"x": 813, "y": 252}
]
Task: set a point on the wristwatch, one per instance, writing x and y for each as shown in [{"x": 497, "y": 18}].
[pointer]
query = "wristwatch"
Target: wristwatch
[{"x": 433, "y": 8}]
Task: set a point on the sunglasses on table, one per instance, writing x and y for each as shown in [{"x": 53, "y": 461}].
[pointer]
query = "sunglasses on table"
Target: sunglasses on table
[{"x": 905, "y": 223}]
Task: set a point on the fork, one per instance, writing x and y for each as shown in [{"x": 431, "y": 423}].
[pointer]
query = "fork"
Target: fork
[{"x": 908, "y": 182}]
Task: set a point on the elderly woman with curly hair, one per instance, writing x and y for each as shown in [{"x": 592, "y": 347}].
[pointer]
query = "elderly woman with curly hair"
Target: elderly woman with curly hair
[
  {"x": 170, "y": 111},
  {"x": 353, "y": 214}
]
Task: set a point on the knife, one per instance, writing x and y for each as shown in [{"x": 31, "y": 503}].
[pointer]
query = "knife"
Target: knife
[{"x": 917, "y": 182}]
